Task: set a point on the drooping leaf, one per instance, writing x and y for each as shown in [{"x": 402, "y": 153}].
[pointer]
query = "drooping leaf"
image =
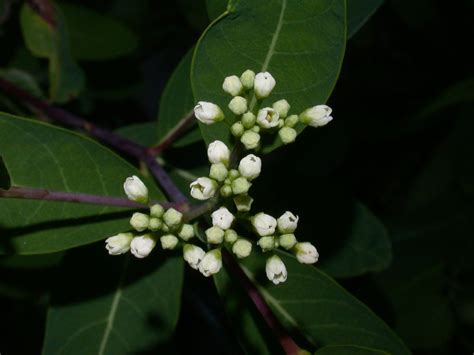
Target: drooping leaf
[
  {"x": 23, "y": 80},
  {"x": 123, "y": 306},
  {"x": 349, "y": 350},
  {"x": 300, "y": 42},
  {"x": 317, "y": 306},
  {"x": 358, "y": 12},
  {"x": 46, "y": 36},
  {"x": 94, "y": 36},
  {"x": 42, "y": 156}
]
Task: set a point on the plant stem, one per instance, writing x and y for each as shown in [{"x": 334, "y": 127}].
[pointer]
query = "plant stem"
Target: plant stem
[{"x": 119, "y": 143}]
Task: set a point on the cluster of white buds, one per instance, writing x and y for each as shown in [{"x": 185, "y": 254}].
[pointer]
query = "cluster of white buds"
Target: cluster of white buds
[
  {"x": 159, "y": 224},
  {"x": 248, "y": 93}
]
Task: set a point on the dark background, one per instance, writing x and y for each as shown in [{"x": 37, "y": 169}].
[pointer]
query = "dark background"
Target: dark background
[{"x": 402, "y": 143}]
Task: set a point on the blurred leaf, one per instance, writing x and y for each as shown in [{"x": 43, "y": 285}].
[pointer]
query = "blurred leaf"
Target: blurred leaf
[
  {"x": 365, "y": 248},
  {"x": 28, "y": 262},
  {"x": 94, "y": 36},
  {"x": 349, "y": 350},
  {"x": 141, "y": 133},
  {"x": 215, "y": 8},
  {"x": 177, "y": 100},
  {"x": 4, "y": 176},
  {"x": 195, "y": 13},
  {"x": 23, "y": 80},
  {"x": 46, "y": 36},
  {"x": 123, "y": 306},
  {"x": 312, "y": 303},
  {"x": 261, "y": 36},
  {"x": 358, "y": 12},
  {"x": 43, "y": 156}
]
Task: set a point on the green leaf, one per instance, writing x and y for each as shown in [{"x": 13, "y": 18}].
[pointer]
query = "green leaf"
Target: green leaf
[
  {"x": 46, "y": 36},
  {"x": 349, "y": 350},
  {"x": 23, "y": 80},
  {"x": 4, "y": 175},
  {"x": 42, "y": 156},
  {"x": 363, "y": 247},
  {"x": 141, "y": 133},
  {"x": 358, "y": 12},
  {"x": 315, "y": 305},
  {"x": 97, "y": 37},
  {"x": 300, "y": 42},
  {"x": 122, "y": 306},
  {"x": 177, "y": 100},
  {"x": 215, "y": 8}
]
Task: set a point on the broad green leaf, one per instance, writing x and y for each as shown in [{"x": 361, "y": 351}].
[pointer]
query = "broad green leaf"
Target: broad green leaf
[
  {"x": 300, "y": 42},
  {"x": 50, "y": 39},
  {"x": 314, "y": 304},
  {"x": 23, "y": 80},
  {"x": 349, "y": 350},
  {"x": 42, "y": 156},
  {"x": 363, "y": 247},
  {"x": 177, "y": 101},
  {"x": 96, "y": 37},
  {"x": 113, "y": 304},
  {"x": 358, "y": 12}
]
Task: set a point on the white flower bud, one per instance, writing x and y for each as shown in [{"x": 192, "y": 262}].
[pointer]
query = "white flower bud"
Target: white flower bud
[
  {"x": 250, "y": 139},
  {"x": 222, "y": 218},
  {"x": 276, "y": 270},
  {"x": 287, "y": 241},
  {"x": 232, "y": 85},
  {"x": 203, "y": 188},
  {"x": 243, "y": 203},
  {"x": 230, "y": 236},
  {"x": 118, "y": 244},
  {"x": 135, "y": 189},
  {"x": 287, "y": 135},
  {"x": 267, "y": 243},
  {"x": 317, "y": 116},
  {"x": 287, "y": 222},
  {"x": 217, "y": 152},
  {"x": 242, "y": 248},
  {"x": 186, "y": 232},
  {"x": 238, "y": 105},
  {"x": 193, "y": 255},
  {"x": 282, "y": 107},
  {"x": 306, "y": 253},
  {"x": 169, "y": 241},
  {"x": 247, "y": 79},
  {"x": 172, "y": 218},
  {"x": 214, "y": 235},
  {"x": 139, "y": 221},
  {"x": 156, "y": 211},
  {"x": 142, "y": 246},
  {"x": 237, "y": 129},
  {"x": 211, "y": 263},
  {"x": 264, "y": 224},
  {"x": 155, "y": 224},
  {"x": 240, "y": 186},
  {"x": 263, "y": 85},
  {"x": 218, "y": 172},
  {"x": 250, "y": 167},
  {"x": 268, "y": 118},
  {"x": 208, "y": 113},
  {"x": 248, "y": 120},
  {"x": 291, "y": 121}
]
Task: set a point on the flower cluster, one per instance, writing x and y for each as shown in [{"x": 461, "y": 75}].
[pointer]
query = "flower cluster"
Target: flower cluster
[{"x": 248, "y": 93}]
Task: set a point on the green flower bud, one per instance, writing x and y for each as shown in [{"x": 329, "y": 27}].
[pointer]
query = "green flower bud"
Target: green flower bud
[
  {"x": 186, "y": 232},
  {"x": 247, "y": 79},
  {"x": 255, "y": 129},
  {"x": 165, "y": 228},
  {"x": 214, "y": 235},
  {"x": 242, "y": 248},
  {"x": 155, "y": 224},
  {"x": 156, "y": 211},
  {"x": 218, "y": 172},
  {"x": 287, "y": 135},
  {"x": 139, "y": 221},
  {"x": 172, "y": 218},
  {"x": 287, "y": 241},
  {"x": 233, "y": 174},
  {"x": 238, "y": 105},
  {"x": 230, "y": 236},
  {"x": 240, "y": 186},
  {"x": 250, "y": 139},
  {"x": 266, "y": 243},
  {"x": 243, "y": 203},
  {"x": 249, "y": 119},
  {"x": 226, "y": 190},
  {"x": 237, "y": 129},
  {"x": 169, "y": 241},
  {"x": 282, "y": 107},
  {"x": 291, "y": 121},
  {"x": 232, "y": 85}
]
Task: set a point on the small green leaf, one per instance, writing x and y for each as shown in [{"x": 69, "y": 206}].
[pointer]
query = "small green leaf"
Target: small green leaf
[
  {"x": 349, "y": 350},
  {"x": 50, "y": 39},
  {"x": 358, "y": 12},
  {"x": 300, "y": 42},
  {"x": 23, "y": 80},
  {"x": 96, "y": 37},
  {"x": 113, "y": 304},
  {"x": 43, "y": 156}
]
